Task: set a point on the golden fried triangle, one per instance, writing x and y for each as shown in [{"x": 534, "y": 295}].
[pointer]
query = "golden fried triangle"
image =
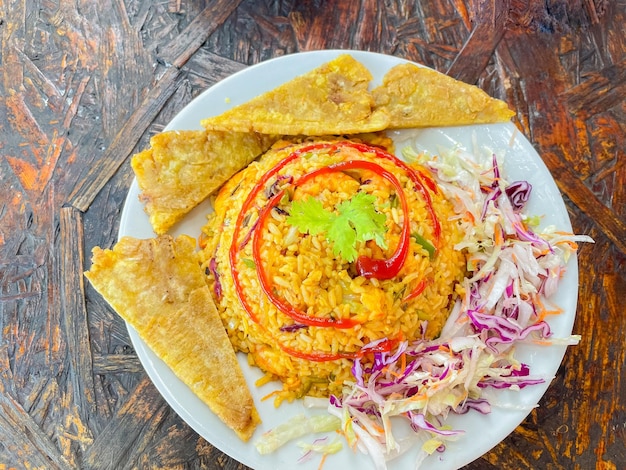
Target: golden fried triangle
[
  {"x": 182, "y": 168},
  {"x": 158, "y": 287},
  {"x": 331, "y": 99},
  {"x": 421, "y": 97}
]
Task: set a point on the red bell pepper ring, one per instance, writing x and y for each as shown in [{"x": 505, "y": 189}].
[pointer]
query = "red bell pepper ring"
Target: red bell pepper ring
[{"x": 419, "y": 288}]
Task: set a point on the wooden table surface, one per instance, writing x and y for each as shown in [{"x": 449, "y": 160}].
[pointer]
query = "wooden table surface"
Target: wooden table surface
[{"x": 85, "y": 83}]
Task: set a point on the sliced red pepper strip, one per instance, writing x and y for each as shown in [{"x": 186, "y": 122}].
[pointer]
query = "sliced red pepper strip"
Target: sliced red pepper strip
[
  {"x": 419, "y": 288},
  {"x": 384, "y": 346},
  {"x": 417, "y": 178},
  {"x": 279, "y": 303},
  {"x": 426, "y": 179}
]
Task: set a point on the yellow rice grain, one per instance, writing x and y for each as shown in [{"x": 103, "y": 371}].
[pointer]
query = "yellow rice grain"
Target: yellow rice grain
[{"x": 305, "y": 273}]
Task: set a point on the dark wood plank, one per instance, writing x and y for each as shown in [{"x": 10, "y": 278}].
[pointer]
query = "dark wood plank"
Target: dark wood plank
[
  {"x": 125, "y": 141},
  {"x": 490, "y": 20},
  {"x": 116, "y": 364},
  {"x": 130, "y": 430},
  {"x": 555, "y": 133},
  {"x": 74, "y": 314},
  {"x": 178, "y": 52},
  {"x": 205, "y": 69},
  {"x": 598, "y": 92},
  {"x": 26, "y": 439}
]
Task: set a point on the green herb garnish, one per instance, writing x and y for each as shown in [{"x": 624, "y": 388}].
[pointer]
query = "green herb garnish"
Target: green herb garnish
[{"x": 355, "y": 220}]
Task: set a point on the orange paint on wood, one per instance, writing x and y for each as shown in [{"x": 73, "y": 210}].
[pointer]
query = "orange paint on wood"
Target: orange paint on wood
[
  {"x": 22, "y": 120},
  {"x": 25, "y": 172}
]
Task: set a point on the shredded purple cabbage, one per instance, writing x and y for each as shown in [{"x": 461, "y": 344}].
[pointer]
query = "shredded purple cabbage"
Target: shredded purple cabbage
[
  {"x": 505, "y": 330},
  {"x": 519, "y": 194},
  {"x": 418, "y": 423},
  {"x": 217, "y": 285},
  {"x": 492, "y": 197},
  {"x": 293, "y": 327},
  {"x": 481, "y": 405},
  {"x": 274, "y": 188}
]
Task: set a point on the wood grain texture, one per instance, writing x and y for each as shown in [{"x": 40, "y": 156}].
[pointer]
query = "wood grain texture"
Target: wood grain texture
[{"x": 85, "y": 84}]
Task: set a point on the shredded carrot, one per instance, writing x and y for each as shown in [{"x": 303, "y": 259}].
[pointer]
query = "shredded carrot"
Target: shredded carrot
[
  {"x": 322, "y": 461},
  {"x": 418, "y": 397},
  {"x": 543, "y": 312},
  {"x": 386, "y": 370},
  {"x": 378, "y": 428},
  {"x": 498, "y": 235},
  {"x": 271, "y": 394}
]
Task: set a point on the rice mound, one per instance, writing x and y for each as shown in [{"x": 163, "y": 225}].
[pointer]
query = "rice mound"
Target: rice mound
[{"x": 306, "y": 274}]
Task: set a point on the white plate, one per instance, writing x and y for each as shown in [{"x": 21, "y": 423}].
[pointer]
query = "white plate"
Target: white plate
[{"x": 483, "y": 432}]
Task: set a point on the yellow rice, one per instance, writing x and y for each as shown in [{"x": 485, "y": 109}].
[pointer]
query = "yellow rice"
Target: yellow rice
[{"x": 304, "y": 272}]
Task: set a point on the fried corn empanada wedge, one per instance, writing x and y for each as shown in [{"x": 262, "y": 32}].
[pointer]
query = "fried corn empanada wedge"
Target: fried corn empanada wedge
[
  {"x": 158, "y": 287},
  {"x": 421, "y": 97},
  {"x": 182, "y": 168},
  {"x": 331, "y": 99}
]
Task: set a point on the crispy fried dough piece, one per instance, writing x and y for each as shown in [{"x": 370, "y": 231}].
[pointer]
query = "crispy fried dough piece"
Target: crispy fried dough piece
[
  {"x": 182, "y": 168},
  {"x": 331, "y": 99},
  {"x": 420, "y": 97},
  {"x": 158, "y": 287}
]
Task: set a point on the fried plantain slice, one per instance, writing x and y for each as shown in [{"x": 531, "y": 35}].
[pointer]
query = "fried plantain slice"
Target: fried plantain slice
[
  {"x": 182, "y": 168},
  {"x": 158, "y": 287},
  {"x": 421, "y": 97},
  {"x": 331, "y": 99}
]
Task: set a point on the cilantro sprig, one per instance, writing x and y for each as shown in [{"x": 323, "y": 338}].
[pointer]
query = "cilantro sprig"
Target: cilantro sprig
[{"x": 354, "y": 221}]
